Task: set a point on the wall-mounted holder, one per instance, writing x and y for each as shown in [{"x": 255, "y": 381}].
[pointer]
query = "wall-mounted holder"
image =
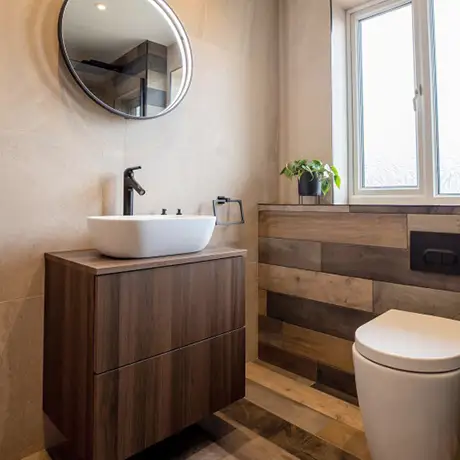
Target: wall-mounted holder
[{"x": 220, "y": 201}]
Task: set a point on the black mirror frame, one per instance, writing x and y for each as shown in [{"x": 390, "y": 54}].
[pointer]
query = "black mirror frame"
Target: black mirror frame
[{"x": 184, "y": 45}]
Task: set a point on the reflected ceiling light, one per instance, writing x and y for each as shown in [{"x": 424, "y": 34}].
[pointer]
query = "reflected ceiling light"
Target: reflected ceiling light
[{"x": 101, "y": 6}]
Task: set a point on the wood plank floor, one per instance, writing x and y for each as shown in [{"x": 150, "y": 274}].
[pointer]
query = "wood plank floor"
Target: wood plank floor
[{"x": 281, "y": 418}]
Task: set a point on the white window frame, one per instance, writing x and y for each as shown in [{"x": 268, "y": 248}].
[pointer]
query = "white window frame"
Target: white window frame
[{"x": 426, "y": 192}]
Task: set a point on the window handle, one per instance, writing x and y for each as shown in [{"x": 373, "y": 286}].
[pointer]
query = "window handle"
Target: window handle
[{"x": 417, "y": 94}]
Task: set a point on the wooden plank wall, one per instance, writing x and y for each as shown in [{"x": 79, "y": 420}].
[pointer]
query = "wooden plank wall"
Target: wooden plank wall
[{"x": 323, "y": 273}]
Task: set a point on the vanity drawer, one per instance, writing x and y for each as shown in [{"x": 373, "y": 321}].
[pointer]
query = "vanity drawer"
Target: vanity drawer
[
  {"x": 144, "y": 403},
  {"x": 144, "y": 313}
]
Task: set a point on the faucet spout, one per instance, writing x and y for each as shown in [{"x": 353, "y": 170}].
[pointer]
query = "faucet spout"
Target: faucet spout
[{"x": 129, "y": 185}]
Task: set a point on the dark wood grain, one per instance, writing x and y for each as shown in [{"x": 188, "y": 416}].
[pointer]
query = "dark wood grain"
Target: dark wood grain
[
  {"x": 144, "y": 403},
  {"x": 115, "y": 414},
  {"x": 337, "y": 379},
  {"x": 300, "y": 365},
  {"x": 93, "y": 262},
  {"x": 306, "y": 343},
  {"x": 381, "y": 264},
  {"x": 290, "y": 253},
  {"x": 437, "y": 210},
  {"x": 373, "y": 209},
  {"x": 321, "y": 317},
  {"x": 68, "y": 358},
  {"x": 144, "y": 313}
]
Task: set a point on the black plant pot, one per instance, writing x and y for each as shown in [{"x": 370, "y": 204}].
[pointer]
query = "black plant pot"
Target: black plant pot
[{"x": 309, "y": 185}]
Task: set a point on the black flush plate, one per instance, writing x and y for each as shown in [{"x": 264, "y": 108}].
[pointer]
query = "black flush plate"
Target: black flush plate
[{"x": 435, "y": 252}]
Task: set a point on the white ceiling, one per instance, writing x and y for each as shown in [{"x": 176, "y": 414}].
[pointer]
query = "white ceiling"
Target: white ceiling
[{"x": 107, "y": 35}]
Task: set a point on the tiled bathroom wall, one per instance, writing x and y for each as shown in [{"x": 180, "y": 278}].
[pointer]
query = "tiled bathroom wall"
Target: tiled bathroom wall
[
  {"x": 58, "y": 151},
  {"x": 325, "y": 271}
]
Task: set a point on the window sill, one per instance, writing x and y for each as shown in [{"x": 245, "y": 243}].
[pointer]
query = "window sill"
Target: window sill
[
  {"x": 404, "y": 200},
  {"x": 364, "y": 208}
]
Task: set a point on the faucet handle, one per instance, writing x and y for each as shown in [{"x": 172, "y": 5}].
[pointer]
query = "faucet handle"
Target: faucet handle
[
  {"x": 164, "y": 212},
  {"x": 129, "y": 171},
  {"x": 179, "y": 212}
]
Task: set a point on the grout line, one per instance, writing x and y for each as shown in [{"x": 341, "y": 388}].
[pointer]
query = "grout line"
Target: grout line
[{"x": 22, "y": 299}]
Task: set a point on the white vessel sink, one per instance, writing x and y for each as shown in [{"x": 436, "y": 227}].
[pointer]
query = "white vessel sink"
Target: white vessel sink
[{"x": 136, "y": 237}]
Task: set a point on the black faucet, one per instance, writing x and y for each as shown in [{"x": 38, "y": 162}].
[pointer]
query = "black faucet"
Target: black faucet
[{"x": 129, "y": 185}]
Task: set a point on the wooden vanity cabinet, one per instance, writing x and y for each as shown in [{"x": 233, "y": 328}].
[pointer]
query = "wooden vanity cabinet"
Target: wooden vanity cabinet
[{"x": 137, "y": 350}]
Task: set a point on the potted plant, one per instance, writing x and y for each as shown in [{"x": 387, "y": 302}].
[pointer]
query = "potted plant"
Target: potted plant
[{"x": 314, "y": 177}]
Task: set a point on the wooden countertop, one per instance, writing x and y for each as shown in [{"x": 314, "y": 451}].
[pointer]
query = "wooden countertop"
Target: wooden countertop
[{"x": 93, "y": 262}]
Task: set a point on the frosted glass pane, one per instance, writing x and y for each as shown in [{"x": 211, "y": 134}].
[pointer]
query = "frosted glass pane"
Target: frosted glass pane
[
  {"x": 388, "y": 118},
  {"x": 447, "y": 38}
]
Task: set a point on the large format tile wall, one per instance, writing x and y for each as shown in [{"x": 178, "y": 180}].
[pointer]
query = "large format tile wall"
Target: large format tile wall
[
  {"x": 58, "y": 150},
  {"x": 325, "y": 271}
]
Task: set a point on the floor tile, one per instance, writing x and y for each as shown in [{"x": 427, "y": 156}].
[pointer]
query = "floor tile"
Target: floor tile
[{"x": 305, "y": 395}]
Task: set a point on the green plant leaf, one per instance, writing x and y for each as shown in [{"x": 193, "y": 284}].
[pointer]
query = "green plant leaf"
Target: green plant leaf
[
  {"x": 327, "y": 174},
  {"x": 325, "y": 186},
  {"x": 338, "y": 181}
]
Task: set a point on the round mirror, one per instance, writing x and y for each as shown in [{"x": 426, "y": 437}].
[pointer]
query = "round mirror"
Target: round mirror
[{"x": 133, "y": 57}]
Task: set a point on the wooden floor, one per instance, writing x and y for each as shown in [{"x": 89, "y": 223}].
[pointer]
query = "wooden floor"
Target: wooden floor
[{"x": 281, "y": 418}]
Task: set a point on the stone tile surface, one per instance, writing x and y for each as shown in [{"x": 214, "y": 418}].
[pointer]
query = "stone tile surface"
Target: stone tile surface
[{"x": 64, "y": 158}]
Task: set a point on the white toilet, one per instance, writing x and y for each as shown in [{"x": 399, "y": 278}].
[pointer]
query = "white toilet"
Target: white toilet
[{"x": 407, "y": 369}]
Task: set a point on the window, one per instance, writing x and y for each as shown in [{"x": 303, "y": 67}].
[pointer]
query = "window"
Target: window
[{"x": 403, "y": 73}]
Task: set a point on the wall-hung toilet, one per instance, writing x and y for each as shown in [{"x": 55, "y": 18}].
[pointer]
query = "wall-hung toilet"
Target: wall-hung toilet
[{"x": 407, "y": 369}]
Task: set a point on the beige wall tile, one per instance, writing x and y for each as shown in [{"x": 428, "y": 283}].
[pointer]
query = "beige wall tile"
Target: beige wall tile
[
  {"x": 306, "y": 88},
  {"x": 38, "y": 456},
  {"x": 334, "y": 289},
  {"x": 21, "y": 357},
  {"x": 389, "y": 296},
  {"x": 64, "y": 157}
]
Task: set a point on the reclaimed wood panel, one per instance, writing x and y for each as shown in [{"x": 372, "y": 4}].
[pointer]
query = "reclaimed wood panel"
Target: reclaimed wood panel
[
  {"x": 317, "y": 316},
  {"x": 285, "y": 435},
  {"x": 300, "y": 365},
  {"x": 141, "y": 404},
  {"x": 302, "y": 342},
  {"x": 144, "y": 313},
  {"x": 285, "y": 372},
  {"x": 235, "y": 441},
  {"x": 305, "y": 395},
  {"x": 389, "y": 296},
  {"x": 322, "y": 287},
  {"x": 386, "y": 230},
  {"x": 380, "y": 264},
  {"x": 290, "y": 253},
  {"x": 262, "y": 302},
  {"x": 439, "y": 224},
  {"x": 347, "y": 438},
  {"x": 289, "y": 410},
  {"x": 337, "y": 379}
]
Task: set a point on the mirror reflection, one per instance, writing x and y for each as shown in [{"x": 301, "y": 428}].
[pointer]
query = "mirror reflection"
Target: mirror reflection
[{"x": 133, "y": 57}]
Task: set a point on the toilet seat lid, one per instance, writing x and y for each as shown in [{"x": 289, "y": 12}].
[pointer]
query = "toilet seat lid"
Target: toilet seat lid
[{"x": 411, "y": 342}]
